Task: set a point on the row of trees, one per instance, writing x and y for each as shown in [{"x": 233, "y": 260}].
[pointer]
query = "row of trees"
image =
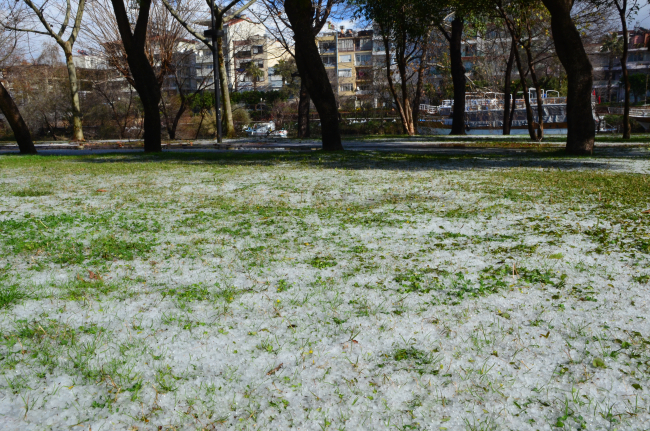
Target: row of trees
[{"x": 406, "y": 27}]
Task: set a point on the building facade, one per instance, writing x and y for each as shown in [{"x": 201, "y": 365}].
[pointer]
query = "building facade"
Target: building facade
[
  {"x": 608, "y": 71},
  {"x": 351, "y": 59},
  {"x": 249, "y": 55}
]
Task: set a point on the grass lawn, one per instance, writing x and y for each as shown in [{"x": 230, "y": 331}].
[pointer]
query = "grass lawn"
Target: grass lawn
[{"x": 316, "y": 291}]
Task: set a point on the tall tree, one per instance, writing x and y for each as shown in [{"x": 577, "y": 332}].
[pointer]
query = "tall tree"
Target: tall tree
[
  {"x": 304, "y": 20},
  {"x": 507, "y": 87},
  {"x": 455, "y": 39},
  {"x": 405, "y": 28},
  {"x": 16, "y": 122},
  {"x": 167, "y": 48},
  {"x": 613, "y": 46},
  {"x": 65, "y": 27},
  {"x": 462, "y": 11},
  {"x": 134, "y": 39},
  {"x": 526, "y": 23},
  {"x": 571, "y": 52},
  {"x": 183, "y": 11},
  {"x": 626, "y": 9},
  {"x": 8, "y": 44},
  {"x": 276, "y": 22}
]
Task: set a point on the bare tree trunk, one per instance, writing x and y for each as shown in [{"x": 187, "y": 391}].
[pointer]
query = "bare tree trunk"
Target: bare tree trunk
[
  {"x": 229, "y": 130},
  {"x": 572, "y": 55},
  {"x": 313, "y": 72},
  {"x": 610, "y": 65},
  {"x": 530, "y": 120},
  {"x": 507, "y": 121},
  {"x": 77, "y": 128},
  {"x": 198, "y": 131},
  {"x": 144, "y": 77},
  {"x": 420, "y": 82},
  {"x": 627, "y": 128},
  {"x": 401, "y": 108},
  {"x": 303, "y": 111},
  {"x": 16, "y": 122},
  {"x": 171, "y": 128},
  {"x": 457, "y": 76},
  {"x": 538, "y": 91},
  {"x": 514, "y": 106}
]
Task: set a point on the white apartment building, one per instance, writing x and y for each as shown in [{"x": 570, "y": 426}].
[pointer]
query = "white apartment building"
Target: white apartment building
[{"x": 248, "y": 49}]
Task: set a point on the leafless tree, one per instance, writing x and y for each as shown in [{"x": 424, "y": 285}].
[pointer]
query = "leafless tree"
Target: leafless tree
[
  {"x": 8, "y": 56},
  {"x": 188, "y": 12},
  {"x": 60, "y": 21}
]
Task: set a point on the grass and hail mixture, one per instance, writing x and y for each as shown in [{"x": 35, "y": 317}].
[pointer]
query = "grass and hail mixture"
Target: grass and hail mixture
[{"x": 324, "y": 292}]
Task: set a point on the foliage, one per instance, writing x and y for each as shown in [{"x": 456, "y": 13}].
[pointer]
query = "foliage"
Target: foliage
[
  {"x": 638, "y": 85},
  {"x": 240, "y": 115},
  {"x": 288, "y": 70},
  {"x": 255, "y": 97},
  {"x": 201, "y": 101}
]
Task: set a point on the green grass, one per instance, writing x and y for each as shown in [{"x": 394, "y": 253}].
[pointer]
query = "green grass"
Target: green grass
[
  {"x": 10, "y": 295},
  {"x": 367, "y": 269}
]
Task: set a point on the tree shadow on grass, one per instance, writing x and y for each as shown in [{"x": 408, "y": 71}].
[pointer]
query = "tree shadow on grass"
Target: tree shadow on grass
[{"x": 388, "y": 157}]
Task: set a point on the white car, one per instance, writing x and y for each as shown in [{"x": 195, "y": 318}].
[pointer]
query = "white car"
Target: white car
[{"x": 262, "y": 129}]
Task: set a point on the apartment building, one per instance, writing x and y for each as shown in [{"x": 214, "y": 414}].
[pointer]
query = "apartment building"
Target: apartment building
[
  {"x": 249, "y": 55},
  {"x": 350, "y": 58},
  {"x": 608, "y": 70}
]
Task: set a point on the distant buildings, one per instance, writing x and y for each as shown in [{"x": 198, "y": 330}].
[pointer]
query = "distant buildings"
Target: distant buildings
[
  {"x": 249, "y": 55},
  {"x": 351, "y": 59},
  {"x": 608, "y": 70},
  {"x": 355, "y": 62}
]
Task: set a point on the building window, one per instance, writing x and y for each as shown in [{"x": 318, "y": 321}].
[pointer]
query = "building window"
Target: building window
[
  {"x": 345, "y": 87},
  {"x": 346, "y": 45},
  {"x": 327, "y": 47},
  {"x": 258, "y": 49},
  {"x": 346, "y": 58},
  {"x": 363, "y": 74},
  {"x": 345, "y": 73},
  {"x": 363, "y": 60},
  {"x": 364, "y": 44},
  {"x": 329, "y": 60},
  {"x": 260, "y": 64}
]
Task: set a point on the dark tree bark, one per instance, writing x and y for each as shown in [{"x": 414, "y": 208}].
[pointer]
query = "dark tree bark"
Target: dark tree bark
[
  {"x": 402, "y": 103},
  {"x": 16, "y": 122},
  {"x": 627, "y": 128},
  {"x": 143, "y": 74},
  {"x": 514, "y": 106},
  {"x": 303, "y": 111},
  {"x": 312, "y": 71},
  {"x": 457, "y": 76},
  {"x": 523, "y": 75},
  {"x": 572, "y": 55},
  {"x": 424, "y": 58},
  {"x": 507, "y": 121},
  {"x": 538, "y": 91}
]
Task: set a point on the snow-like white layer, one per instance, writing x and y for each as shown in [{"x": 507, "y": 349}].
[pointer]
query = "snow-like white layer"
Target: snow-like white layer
[{"x": 363, "y": 281}]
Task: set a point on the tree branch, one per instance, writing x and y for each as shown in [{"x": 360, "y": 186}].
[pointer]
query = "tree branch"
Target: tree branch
[
  {"x": 66, "y": 18},
  {"x": 43, "y": 21},
  {"x": 186, "y": 25}
]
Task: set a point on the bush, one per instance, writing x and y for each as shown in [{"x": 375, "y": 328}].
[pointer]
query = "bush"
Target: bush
[
  {"x": 254, "y": 97},
  {"x": 240, "y": 116},
  {"x": 373, "y": 127}
]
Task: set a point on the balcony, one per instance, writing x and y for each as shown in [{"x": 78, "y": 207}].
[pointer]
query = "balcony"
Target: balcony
[{"x": 363, "y": 45}]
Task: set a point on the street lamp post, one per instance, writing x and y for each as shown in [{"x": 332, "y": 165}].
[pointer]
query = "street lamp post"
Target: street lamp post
[{"x": 215, "y": 34}]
